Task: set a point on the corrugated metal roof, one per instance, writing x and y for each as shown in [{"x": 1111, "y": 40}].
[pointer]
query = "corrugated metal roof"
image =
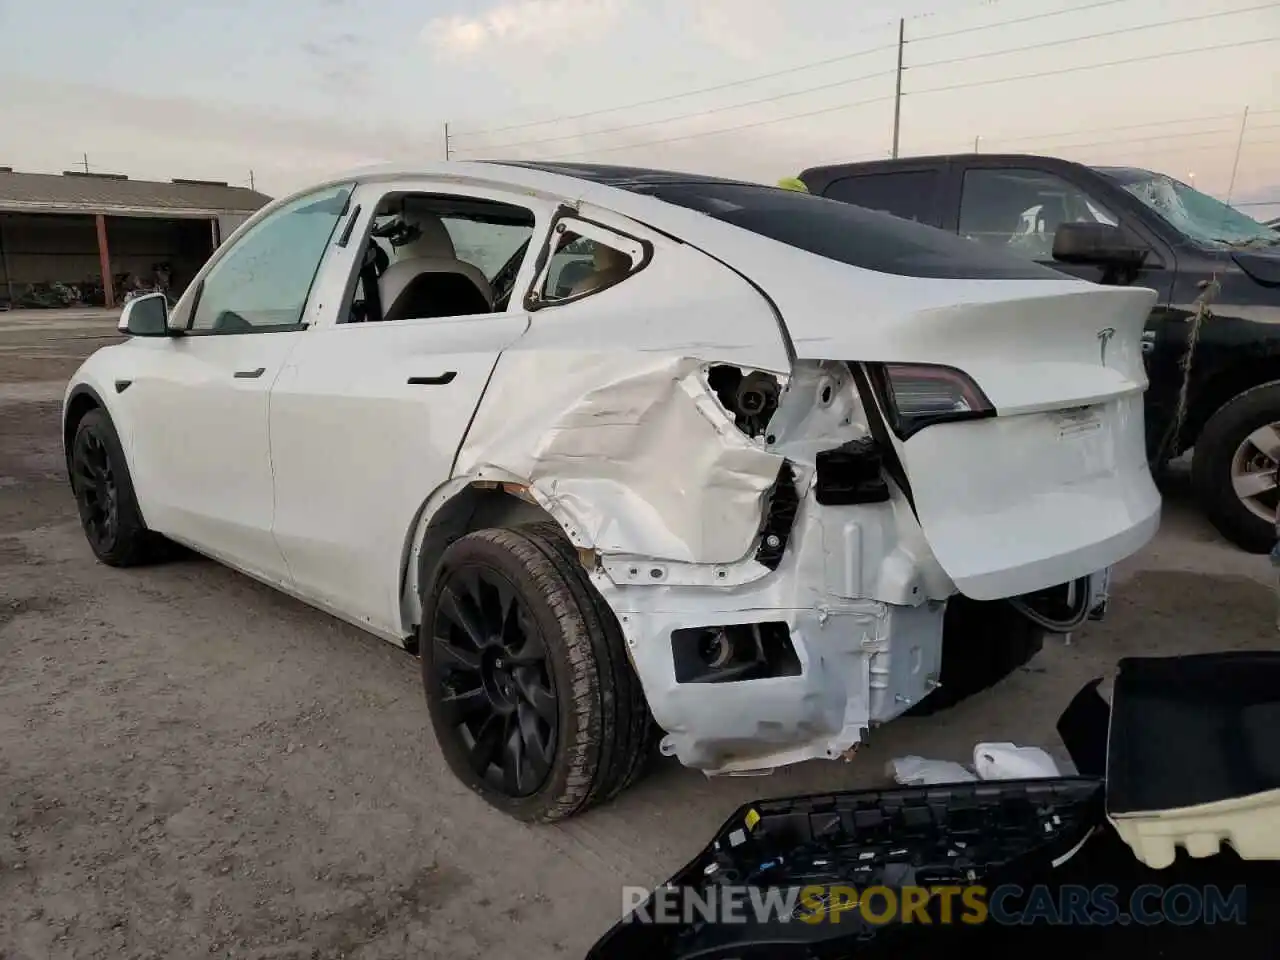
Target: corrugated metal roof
[{"x": 96, "y": 193}]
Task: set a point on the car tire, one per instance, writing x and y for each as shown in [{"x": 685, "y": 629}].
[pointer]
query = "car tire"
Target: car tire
[
  {"x": 105, "y": 498},
  {"x": 982, "y": 643},
  {"x": 512, "y": 619},
  {"x": 1214, "y": 462}
]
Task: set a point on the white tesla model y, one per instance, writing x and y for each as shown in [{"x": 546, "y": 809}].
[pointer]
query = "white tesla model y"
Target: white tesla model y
[{"x": 631, "y": 459}]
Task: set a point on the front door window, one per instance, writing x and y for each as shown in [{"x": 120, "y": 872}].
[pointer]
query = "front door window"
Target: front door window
[{"x": 261, "y": 284}]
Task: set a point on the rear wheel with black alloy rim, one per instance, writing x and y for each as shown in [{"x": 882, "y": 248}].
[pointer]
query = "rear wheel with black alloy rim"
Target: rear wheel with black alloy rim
[
  {"x": 105, "y": 499},
  {"x": 532, "y": 698}
]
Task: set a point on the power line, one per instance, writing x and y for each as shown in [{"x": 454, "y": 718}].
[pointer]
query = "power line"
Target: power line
[
  {"x": 1126, "y": 126},
  {"x": 1010, "y": 23},
  {"x": 1090, "y": 66},
  {"x": 800, "y": 116},
  {"x": 1166, "y": 136},
  {"x": 688, "y": 93},
  {"x": 1170, "y": 150},
  {"x": 691, "y": 116},
  {"x": 1092, "y": 36},
  {"x": 865, "y": 77},
  {"x": 741, "y": 126},
  {"x": 1040, "y": 137},
  {"x": 846, "y": 106},
  {"x": 791, "y": 70}
]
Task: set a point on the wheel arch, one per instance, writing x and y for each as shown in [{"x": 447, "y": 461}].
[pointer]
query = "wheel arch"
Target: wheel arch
[
  {"x": 80, "y": 400},
  {"x": 1219, "y": 389},
  {"x": 460, "y": 507}
]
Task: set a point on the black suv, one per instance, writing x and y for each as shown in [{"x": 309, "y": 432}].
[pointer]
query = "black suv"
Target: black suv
[{"x": 1212, "y": 345}]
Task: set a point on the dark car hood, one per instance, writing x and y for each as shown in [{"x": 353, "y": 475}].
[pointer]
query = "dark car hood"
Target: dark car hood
[{"x": 1262, "y": 265}]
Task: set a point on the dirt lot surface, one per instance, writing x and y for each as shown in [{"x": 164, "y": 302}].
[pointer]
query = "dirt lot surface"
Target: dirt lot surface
[{"x": 192, "y": 765}]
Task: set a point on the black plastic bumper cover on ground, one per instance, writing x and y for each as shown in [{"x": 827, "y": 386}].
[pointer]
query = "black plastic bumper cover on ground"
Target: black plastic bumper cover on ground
[{"x": 1183, "y": 731}]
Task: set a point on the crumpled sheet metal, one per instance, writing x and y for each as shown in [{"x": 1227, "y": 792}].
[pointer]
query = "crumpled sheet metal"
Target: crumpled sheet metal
[
  {"x": 862, "y": 661},
  {"x": 631, "y": 453},
  {"x": 637, "y": 459}
]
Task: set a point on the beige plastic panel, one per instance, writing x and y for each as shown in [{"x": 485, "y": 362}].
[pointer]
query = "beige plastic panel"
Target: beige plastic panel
[{"x": 1250, "y": 825}]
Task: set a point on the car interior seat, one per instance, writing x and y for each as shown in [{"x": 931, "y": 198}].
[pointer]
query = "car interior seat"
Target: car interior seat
[
  {"x": 438, "y": 293},
  {"x": 610, "y": 266},
  {"x": 428, "y": 280}
]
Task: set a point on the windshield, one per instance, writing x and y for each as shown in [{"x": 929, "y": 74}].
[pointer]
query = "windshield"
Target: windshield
[{"x": 1194, "y": 214}]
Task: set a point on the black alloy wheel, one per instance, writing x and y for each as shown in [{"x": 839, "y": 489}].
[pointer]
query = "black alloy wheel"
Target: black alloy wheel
[
  {"x": 105, "y": 498},
  {"x": 498, "y": 693},
  {"x": 97, "y": 492},
  {"x": 533, "y": 700}
]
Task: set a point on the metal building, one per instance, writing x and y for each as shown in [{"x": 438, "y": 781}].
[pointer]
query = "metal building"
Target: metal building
[{"x": 89, "y": 237}]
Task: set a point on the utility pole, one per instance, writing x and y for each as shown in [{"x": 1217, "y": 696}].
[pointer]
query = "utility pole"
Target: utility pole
[
  {"x": 447, "y": 151},
  {"x": 1244, "y": 122},
  {"x": 251, "y": 184},
  {"x": 86, "y": 163},
  {"x": 975, "y": 143},
  {"x": 897, "y": 93}
]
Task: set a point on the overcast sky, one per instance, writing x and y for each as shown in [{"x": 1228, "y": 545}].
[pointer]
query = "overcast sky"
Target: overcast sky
[{"x": 295, "y": 89}]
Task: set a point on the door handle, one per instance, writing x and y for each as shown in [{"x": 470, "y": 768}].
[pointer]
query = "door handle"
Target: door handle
[
  {"x": 250, "y": 374},
  {"x": 436, "y": 381}
]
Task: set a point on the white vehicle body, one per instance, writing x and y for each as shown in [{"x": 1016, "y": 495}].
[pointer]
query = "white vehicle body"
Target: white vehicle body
[{"x": 334, "y": 460}]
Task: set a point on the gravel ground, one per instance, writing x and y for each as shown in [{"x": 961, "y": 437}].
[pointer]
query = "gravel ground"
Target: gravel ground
[{"x": 192, "y": 765}]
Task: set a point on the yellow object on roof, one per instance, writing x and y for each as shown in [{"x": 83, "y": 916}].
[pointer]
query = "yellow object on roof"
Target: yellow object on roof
[{"x": 793, "y": 183}]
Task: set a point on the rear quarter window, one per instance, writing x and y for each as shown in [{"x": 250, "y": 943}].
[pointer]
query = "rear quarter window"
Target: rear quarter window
[{"x": 848, "y": 234}]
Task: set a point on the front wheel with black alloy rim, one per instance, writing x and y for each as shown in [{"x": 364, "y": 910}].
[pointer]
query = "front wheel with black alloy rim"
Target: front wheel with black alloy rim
[
  {"x": 105, "y": 499},
  {"x": 1233, "y": 468},
  {"x": 532, "y": 698}
]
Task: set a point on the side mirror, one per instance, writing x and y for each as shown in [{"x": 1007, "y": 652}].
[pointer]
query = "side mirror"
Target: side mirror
[
  {"x": 146, "y": 316},
  {"x": 1096, "y": 244}
]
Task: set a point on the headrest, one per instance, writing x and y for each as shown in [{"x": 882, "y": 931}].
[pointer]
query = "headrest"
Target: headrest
[{"x": 433, "y": 238}]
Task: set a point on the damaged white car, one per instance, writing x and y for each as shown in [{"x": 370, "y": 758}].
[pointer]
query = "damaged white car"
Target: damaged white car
[{"x": 629, "y": 456}]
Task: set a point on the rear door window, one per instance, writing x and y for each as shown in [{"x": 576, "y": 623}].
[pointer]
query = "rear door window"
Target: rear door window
[
  {"x": 849, "y": 234},
  {"x": 909, "y": 194}
]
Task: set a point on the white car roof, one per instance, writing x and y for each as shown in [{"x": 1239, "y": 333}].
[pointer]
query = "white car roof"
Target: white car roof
[
  {"x": 598, "y": 184},
  {"x": 819, "y": 297}
]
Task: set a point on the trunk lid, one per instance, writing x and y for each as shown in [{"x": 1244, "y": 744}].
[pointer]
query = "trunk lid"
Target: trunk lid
[{"x": 1055, "y": 484}]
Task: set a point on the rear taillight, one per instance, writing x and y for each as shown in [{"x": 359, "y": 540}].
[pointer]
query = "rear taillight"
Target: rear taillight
[{"x": 916, "y": 395}]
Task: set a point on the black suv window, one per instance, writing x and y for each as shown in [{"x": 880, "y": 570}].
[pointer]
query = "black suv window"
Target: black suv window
[
  {"x": 908, "y": 194},
  {"x": 840, "y": 231},
  {"x": 1020, "y": 210}
]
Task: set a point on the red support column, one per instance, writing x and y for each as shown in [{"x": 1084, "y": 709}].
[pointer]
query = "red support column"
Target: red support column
[{"x": 104, "y": 260}]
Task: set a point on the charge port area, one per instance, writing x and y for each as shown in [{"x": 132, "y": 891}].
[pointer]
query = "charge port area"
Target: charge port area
[{"x": 734, "y": 652}]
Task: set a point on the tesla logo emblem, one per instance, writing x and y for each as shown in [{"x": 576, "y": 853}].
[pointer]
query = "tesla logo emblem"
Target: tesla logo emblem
[{"x": 1104, "y": 337}]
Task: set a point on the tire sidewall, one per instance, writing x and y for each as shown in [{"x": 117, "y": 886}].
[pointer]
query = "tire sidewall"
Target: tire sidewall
[
  {"x": 573, "y": 728},
  {"x": 1215, "y": 449},
  {"x": 98, "y": 422}
]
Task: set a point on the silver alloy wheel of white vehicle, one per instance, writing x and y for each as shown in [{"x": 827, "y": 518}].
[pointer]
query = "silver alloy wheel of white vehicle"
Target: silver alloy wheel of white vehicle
[{"x": 1253, "y": 470}]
